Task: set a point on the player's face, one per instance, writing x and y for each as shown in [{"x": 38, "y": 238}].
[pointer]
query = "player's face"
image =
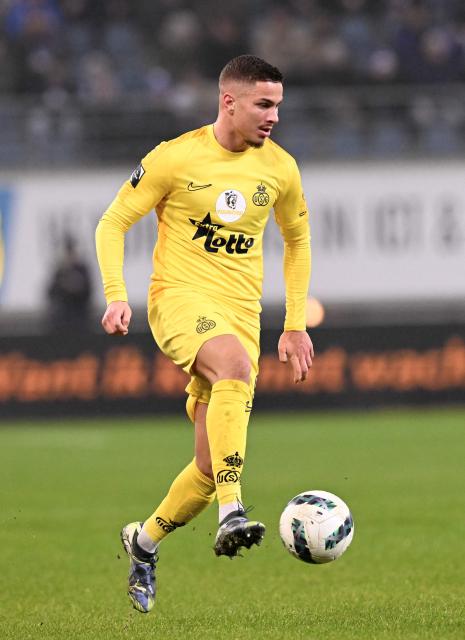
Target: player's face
[{"x": 256, "y": 111}]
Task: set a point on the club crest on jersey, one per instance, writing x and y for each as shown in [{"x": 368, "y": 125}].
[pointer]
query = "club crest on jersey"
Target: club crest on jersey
[
  {"x": 261, "y": 198},
  {"x": 136, "y": 175},
  {"x": 230, "y": 205}
]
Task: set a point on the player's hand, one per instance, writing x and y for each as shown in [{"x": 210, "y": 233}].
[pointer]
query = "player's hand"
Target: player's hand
[
  {"x": 297, "y": 348},
  {"x": 116, "y": 318}
]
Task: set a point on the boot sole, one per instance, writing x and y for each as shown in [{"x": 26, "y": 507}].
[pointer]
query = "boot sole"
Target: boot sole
[{"x": 232, "y": 542}]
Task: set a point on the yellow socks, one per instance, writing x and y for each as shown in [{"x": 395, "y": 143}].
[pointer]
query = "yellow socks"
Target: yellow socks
[
  {"x": 189, "y": 494},
  {"x": 227, "y": 418}
]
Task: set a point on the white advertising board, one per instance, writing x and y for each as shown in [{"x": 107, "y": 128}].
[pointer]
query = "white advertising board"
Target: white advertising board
[
  {"x": 388, "y": 231},
  {"x": 379, "y": 232}
]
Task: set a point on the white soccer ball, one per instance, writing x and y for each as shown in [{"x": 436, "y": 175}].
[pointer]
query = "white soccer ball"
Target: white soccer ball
[{"x": 316, "y": 526}]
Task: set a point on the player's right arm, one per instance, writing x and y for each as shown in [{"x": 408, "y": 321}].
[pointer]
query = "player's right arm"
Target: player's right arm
[{"x": 146, "y": 187}]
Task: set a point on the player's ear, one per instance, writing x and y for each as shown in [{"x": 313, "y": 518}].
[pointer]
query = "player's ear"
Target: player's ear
[{"x": 228, "y": 102}]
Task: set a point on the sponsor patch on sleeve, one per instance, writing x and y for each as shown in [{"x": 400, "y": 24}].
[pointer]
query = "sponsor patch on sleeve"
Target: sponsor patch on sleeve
[{"x": 136, "y": 175}]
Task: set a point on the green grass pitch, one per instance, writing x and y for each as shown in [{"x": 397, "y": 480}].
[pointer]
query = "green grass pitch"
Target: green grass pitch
[{"x": 67, "y": 488}]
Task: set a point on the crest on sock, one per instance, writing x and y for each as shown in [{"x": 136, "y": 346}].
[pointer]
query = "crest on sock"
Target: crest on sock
[
  {"x": 234, "y": 460},
  {"x": 168, "y": 525}
]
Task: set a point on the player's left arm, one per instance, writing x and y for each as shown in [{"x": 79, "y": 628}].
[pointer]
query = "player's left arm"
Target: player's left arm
[{"x": 295, "y": 345}]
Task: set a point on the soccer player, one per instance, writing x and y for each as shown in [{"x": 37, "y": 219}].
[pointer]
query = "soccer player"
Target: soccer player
[{"x": 212, "y": 190}]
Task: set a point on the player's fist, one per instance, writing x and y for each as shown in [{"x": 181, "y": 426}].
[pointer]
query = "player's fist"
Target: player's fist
[
  {"x": 117, "y": 317},
  {"x": 297, "y": 348}
]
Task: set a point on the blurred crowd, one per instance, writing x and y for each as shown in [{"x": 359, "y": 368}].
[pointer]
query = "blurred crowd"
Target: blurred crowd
[
  {"x": 101, "y": 51},
  {"x": 103, "y": 80}
]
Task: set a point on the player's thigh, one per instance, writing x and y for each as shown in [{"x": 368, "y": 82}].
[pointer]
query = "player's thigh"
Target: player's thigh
[
  {"x": 223, "y": 357},
  {"x": 246, "y": 331},
  {"x": 182, "y": 321},
  {"x": 246, "y": 328}
]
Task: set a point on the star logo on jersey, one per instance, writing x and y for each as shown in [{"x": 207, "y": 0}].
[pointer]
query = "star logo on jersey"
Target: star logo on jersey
[
  {"x": 205, "y": 227},
  {"x": 235, "y": 243}
]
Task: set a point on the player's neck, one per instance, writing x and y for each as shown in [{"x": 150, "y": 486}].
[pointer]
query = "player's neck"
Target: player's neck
[{"x": 228, "y": 138}]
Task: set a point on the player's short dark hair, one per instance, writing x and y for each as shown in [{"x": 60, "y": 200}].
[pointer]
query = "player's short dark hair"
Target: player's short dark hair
[{"x": 251, "y": 69}]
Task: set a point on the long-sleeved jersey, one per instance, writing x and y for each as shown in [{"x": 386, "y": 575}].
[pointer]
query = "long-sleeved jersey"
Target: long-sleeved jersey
[{"x": 212, "y": 206}]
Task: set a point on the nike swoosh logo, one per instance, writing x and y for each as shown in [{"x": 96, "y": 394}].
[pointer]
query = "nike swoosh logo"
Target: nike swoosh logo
[
  {"x": 248, "y": 406},
  {"x": 195, "y": 187},
  {"x": 302, "y": 213}
]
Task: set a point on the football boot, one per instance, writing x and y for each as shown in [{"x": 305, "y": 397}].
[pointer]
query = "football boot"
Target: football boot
[
  {"x": 142, "y": 582},
  {"x": 236, "y": 531}
]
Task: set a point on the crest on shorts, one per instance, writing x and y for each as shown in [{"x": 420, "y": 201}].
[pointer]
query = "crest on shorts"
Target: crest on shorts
[
  {"x": 260, "y": 197},
  {"x": 204, "y": 325}
]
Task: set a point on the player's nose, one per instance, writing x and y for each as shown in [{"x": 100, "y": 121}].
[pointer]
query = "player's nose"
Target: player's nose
[{"x": 273, "y": 116}]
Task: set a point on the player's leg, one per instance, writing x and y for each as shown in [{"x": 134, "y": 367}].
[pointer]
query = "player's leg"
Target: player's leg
[
  {"x": 225, "y": 363},
  {"x": 213, "y": 343},
  {"x": 191, "y": 492},
  {"x": 202, "y": 447}
]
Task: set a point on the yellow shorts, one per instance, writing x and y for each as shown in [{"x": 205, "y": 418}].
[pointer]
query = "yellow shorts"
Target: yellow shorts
[{"x": 181, "y": 321}]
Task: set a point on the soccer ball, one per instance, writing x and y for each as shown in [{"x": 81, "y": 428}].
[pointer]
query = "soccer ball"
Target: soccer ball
[{"x": 316, "y": 526}]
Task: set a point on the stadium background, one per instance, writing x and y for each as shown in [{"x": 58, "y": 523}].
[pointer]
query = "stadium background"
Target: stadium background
[{"x": 374, "y": 112}]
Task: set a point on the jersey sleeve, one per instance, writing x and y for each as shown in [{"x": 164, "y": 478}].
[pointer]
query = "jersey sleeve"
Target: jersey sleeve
[
  {"x": 292, "y": 217},
  {"x": 148, "y": 184}
]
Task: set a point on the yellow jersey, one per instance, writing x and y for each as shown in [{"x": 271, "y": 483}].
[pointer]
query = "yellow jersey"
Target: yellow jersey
[{"x": 212, "y": 206}]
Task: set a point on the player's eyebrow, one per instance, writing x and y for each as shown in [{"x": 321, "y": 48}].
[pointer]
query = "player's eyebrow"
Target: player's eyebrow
[{"x": 268, "y": 101}]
